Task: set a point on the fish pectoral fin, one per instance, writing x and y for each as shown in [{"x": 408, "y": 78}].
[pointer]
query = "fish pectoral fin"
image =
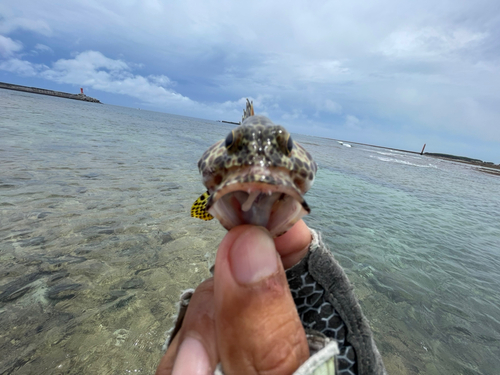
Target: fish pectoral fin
[{"x": 199, "y": 208}]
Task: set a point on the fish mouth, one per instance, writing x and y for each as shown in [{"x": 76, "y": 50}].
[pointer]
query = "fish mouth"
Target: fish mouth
[{"x": 266, "y": 199}]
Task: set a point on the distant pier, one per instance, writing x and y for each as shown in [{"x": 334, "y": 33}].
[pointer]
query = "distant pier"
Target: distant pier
[{"x": 60, "y": 94}]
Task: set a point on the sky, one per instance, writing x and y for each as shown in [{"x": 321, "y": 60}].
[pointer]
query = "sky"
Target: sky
[{"x": 391, "y": 73}]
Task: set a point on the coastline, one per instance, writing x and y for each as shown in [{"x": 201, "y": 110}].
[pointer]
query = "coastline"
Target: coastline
[
  {"x": 36, "y": 90},
  {"x": 486, "y": 167}
]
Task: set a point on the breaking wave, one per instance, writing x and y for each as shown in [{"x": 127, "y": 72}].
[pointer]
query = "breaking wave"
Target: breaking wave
[{"x": 399, "y": 161}]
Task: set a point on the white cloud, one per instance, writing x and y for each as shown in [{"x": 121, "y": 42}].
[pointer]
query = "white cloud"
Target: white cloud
[
  {"x": 161, "y": 80},
  {"x": 329, "y": 105},
  {"x": 88, "y": 62},
  {"x": 294, "y": 115},
  {"x": 8, "y": 46},
  {"x": 11, "y": 23},
  {"x": 429, "y": 42},
  {"x": 386, "y": 62},
  {"x": 319, "y": 71},
  {"x": 352, "y": 122},
  {"x": 21, "y": 67},
  {"x": 93, "y": 69},
  {"x": 43, "y": 48}
]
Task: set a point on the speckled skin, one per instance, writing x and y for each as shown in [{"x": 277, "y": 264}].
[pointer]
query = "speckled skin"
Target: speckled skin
[{"x": 257, "y": 142}]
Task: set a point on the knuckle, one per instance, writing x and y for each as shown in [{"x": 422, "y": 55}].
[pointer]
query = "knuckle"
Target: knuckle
[{"x": 284, "y": 350}]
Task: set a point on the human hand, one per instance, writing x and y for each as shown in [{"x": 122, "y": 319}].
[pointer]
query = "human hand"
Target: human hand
[{"x": 244, "y": 317}]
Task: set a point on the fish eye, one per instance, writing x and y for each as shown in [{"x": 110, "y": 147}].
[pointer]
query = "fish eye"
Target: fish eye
[
  {"x": 289, "y": 144},
  {"x": 229, "y": 140},
  {"x": 284, "y": 140}
]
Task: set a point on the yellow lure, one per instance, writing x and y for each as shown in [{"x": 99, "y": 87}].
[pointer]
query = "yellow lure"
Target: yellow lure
[{"x": 199, "y": 208}]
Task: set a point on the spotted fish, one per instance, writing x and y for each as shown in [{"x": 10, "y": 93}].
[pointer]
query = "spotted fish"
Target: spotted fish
[{"x": 257, "y": 175}]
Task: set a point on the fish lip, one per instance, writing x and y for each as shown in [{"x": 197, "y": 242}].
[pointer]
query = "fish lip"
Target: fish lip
[{"x": 265, "y": 187}]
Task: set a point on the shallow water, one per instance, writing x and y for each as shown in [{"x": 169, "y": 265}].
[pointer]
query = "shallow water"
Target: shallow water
[{"x": 96, "y": 242}]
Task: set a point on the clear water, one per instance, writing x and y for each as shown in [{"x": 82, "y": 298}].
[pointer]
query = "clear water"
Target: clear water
[{"x": 96, "y": 242}]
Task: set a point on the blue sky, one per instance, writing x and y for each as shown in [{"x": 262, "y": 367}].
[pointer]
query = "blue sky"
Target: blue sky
[{"x": 386, "y": 72}]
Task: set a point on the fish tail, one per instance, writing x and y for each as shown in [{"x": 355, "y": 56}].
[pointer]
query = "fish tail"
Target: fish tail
[{"x": 199, "y": 209}]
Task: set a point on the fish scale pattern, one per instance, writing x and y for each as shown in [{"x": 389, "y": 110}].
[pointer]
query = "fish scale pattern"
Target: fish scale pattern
[{"x": 317, "y": 313}]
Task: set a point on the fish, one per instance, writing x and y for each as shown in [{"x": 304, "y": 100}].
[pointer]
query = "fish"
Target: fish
[{"x": 257, "y": 175}]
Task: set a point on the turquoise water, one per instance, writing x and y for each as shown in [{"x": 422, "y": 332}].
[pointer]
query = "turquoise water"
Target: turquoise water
[{"x": 96, "y": 242}]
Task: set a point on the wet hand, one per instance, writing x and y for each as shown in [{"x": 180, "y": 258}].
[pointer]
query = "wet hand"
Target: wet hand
[{"x": 244, "y": 317}]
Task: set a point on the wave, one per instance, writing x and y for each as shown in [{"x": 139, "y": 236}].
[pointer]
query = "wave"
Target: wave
[
  {"x": 386, "y": 153},
  {"x": 399, "y": 161},
  {"x": 399, "y": 154},
  {"x": 389, "y": 152}
]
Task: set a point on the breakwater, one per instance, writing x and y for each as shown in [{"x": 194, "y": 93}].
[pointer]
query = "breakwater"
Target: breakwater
[{"x": 36, "y": 90}]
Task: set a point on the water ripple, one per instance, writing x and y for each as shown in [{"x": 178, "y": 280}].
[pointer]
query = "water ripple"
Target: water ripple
[{"x": 96, "y": 241}]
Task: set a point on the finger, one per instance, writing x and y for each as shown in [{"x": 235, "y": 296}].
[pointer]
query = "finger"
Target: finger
[
  {"x": 193, "y": 351},
  {"x": 294, "y": 244},
  {"x": 258, "y": 330}
]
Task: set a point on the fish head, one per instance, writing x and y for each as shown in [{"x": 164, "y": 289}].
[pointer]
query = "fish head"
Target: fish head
[{"x": 257, "y": 175}]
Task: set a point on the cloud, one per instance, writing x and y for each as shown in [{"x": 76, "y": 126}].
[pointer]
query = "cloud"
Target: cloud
[
  {"x": 9, "y": 47},
  {"x": 319, "y": 71},
  {"x": 330, "y": 106},
  {"x": 412, "y": 67},
  {"x": 93, "y": 69},
  {"x": 10, "y": 23},
  {"x": 161, "y": 80},
  {"x": 21, "y": 67},
  {"x": 294, "y": 115},
  {"x": 352, "y": 122},
  {"x": 43, "y": 48},
  {"x": 430, "y": 42}
]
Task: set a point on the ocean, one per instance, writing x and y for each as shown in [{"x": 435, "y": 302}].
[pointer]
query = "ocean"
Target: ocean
[{"x": 97, "y": 243}]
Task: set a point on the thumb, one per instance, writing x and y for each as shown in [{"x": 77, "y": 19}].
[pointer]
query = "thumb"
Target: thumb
[{"x": 258, "y": 330}]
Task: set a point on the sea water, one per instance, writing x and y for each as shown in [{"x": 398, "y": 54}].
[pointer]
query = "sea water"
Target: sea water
[{"x": 96, "y": 240}]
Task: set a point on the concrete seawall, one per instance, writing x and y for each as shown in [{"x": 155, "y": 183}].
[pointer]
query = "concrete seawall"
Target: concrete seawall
[{"x": 36, "y": 90}]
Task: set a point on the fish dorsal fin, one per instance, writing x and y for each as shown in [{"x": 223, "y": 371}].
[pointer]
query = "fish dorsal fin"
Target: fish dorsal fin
[{"x": 248, "y": 111}]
